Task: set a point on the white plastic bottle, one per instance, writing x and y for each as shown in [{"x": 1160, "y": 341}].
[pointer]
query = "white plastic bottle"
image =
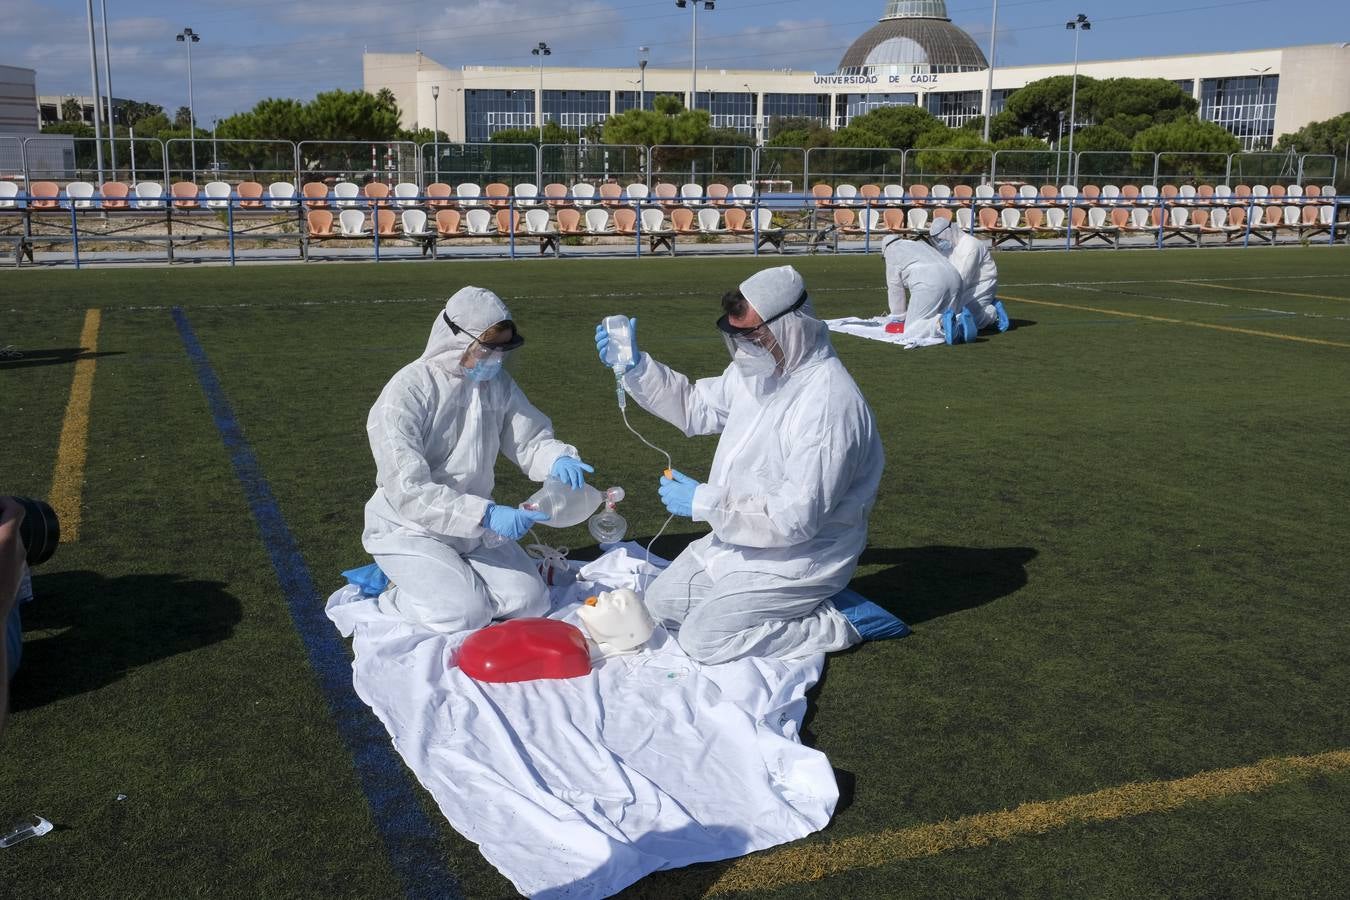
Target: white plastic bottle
[{"x": 619, "y": 356}]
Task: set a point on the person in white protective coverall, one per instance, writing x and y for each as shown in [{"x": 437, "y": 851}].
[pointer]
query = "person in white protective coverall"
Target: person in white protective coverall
[
  {"x": 924, "y": 291},
  {"x": 793, "y": 479},
  {"x": 435, "y": 431},
  {"x": 972, "y": 260}
]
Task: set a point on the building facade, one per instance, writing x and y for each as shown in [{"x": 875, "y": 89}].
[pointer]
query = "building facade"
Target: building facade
[{"x": 913, "y": 56}]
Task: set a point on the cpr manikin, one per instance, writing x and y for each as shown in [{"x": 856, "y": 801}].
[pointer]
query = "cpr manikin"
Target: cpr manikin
[
  {"x": 793, "y": 479},
  {"x": 974, "y": 264},
  {"x": 435, "y": 432},
  {"x": 924, "y": 290}
]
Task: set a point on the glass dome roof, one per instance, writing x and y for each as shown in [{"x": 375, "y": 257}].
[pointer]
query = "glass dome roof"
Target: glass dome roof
[{"x": 913, "y": 36}]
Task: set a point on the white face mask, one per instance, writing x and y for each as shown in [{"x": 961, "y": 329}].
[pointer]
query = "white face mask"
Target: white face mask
[
  {"x": 484, "y": 370},
  {"x": 753, "y": 359},
  {"x": 943, "y": 245}
]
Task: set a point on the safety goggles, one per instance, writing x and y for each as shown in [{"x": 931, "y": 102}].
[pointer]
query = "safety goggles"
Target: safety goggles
[
  {"x": 757, "y": 334},
  {"x": 479, "y": 349}
]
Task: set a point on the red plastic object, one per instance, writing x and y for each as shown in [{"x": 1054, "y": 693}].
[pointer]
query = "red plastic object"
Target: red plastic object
[
  {"x": 895, "y": 327},
  {"x": 525, "y": 650}
]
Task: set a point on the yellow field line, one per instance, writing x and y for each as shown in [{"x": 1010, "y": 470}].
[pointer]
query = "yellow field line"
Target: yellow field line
[
  {"x": 1247, "y": 290},
  {"x": 1228, "y": 328},
  {"x": 68, "y": 476},
  {"x": 799, "y": 865}
]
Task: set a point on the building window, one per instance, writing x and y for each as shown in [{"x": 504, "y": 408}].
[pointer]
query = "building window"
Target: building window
[
  {"x": 998, "y": 99},
  {"x": 1187, "y": 85},
  {"x": 955, "y": 108},
  {"x": 805, "y": 106},
  {"x": 860, "y": 104},
  {"x": 487, "y": 112},
  {"x": 626, "y": 100},
  {"x": 729, "y": 110},
  {"x": 1244, "y": 105},
  {"x": 576, "y": 110}
]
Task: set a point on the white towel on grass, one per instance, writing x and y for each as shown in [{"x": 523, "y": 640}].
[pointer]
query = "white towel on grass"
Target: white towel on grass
[
  {"x": 869, "y": 328},
  {"x": 580, "y": 787}
]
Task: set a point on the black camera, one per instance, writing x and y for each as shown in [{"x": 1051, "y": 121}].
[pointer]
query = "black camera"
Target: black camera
[{"x": 40, "y": 531}]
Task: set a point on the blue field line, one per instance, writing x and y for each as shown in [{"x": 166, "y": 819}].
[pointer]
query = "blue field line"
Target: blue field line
[{"x": 409, "y": 837}]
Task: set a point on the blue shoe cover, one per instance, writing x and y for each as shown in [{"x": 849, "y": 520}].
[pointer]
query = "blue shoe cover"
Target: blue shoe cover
[
  {"x": 1004, "y": 323},
  {"x": 872, "y": 622},
  {"x": 370, "y": 579},
  {"x": 968, "y": 326},
  {"x": 949, "y": 330}
]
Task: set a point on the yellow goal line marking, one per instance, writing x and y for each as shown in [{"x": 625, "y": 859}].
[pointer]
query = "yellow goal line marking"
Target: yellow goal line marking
[
  {"x": 804, "y": 864},
  {"x": 1247, "y": 290},
  {"x": 1212, "y": 327},
  {"x": 68, "y": 476}
]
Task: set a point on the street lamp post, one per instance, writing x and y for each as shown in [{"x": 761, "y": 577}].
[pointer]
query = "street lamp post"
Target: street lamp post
[
  {"x": 693, "y": 59},
  {"x": 989, "y": 86},
  {"x": 107, "y": 84},
  {"x": 93, "y": 71},
  {"x": 1076, "y": 25},
  {"x": 436, "y": 129},
  {"x": 1260, "y": 92},
  {"x": 642, "y": 77},
  {"x": 541, "y": 51},
  {"x": 189, "y": 37}
]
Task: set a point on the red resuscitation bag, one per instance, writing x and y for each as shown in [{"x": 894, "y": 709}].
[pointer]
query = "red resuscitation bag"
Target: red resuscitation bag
[{"x": 525, "y": 650}]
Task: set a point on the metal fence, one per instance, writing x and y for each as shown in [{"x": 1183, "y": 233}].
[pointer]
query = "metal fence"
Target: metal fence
[
  {"x": 702, "y": 165},
  {"x": 593, "y": 163},
  {"x": 479, "y": 163},
  {"x": 362, "y": 162},
  {"x": 231, "y": 160}
]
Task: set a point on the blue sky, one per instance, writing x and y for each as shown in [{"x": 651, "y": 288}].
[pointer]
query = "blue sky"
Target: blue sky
[{"x": 295, "y": 48}]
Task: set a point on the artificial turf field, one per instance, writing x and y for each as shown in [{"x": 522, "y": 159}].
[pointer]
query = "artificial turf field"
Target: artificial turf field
[{"x": 1121, "y": 533}]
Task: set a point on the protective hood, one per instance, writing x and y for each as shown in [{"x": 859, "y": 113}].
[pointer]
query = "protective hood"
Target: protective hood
[
  {"x": 940, "y": 229},
  {"x": 801, "y": 336},
  {"x": 474, "y": 310}
]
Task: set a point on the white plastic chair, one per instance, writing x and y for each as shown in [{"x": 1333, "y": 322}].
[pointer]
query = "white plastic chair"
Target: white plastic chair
[
  {"x": 282, "y": 194},
  {"x": 636, "y": 191},
  {"x": 869, "y": 220},
  {"x": 526, "y": 194},
  {"x": 8, "y": 191},
  {"x": 1186, "y": 192},
  {"x": 1096, "y": 217},
  {"x": 352, "y": 222},
  {"x": 597, "y": 220},
  {"x": 1292, "y": 215},
  {"x": 1180, "y": 216},
  {"x": 1261, "y": 191},
  {"x": 691, "y": 193},
  {"x": 149, "y": 195},
  {"x": 1110, "y": 193},
  {"x": 984, "y": 192},
  {"x": 583, "y": 194},
  {"x": 940, "y": 192},
  {"x": 1294, "y": 191},
  {"x": 846, "y": 194},
  {"x": 1223, "y": 192},
  {"x": 217, "y": 194},
  {"x": 1218, "y": 217},
  {"x": 414, "y": 222},
  {"x": 742, "y": 193},
  {"x": 1148, "y": 192},
  {"x": 764, "y": 219},
  {"x": 1027, "y": 193},
  {"x": 1139, "y": 218},
  {"x": 468, "y": 194},
  {"x": 536, "y": 222},
  {"x": 1068, "y": 191},
  {"x": 346, "y": 193},
  {"x": 1054, "y": 218},
  {"x": 893, "y": 191},
  {"x": 653, "y": 220},
  {"x": 405, "y": 194},
  {"x": 1011, "y": 217},
  {"x": 81, "y": 193},
  {"x": 478, "y": 220},
  {"x": 917, "y": 219},
  {"x": 710, "y": 220},
  {"x": 1325, "y": 214},
  {"x": 965, "y": 216}
]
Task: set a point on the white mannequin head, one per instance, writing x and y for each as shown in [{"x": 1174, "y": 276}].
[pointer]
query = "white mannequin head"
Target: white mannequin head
[{"x": 617, "y": 620}]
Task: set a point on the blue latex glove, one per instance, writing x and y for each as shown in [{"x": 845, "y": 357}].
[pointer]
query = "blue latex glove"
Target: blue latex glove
[
  {"x": 511, "y": 521},
  {"x": 678, "y": 494},
  {"x": 602, "y": 342},
  {"x": 570, "y": 471}
]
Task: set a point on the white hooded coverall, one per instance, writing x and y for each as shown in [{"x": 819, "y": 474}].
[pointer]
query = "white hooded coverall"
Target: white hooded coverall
[
  {"x": 933, "y": 286},
  {"x": 435, "y": 435},
  {"x": 974, "y": 263},
  {"x": 793, "y": 479}
]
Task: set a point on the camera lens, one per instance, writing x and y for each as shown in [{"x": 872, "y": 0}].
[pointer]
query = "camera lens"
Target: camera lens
[{"x": 40, "y": 531}]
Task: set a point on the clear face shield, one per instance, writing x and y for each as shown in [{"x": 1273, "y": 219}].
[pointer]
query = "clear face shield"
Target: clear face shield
[
  {"x": 487, "y": 352},
  {"x": 754, "y": 349}
]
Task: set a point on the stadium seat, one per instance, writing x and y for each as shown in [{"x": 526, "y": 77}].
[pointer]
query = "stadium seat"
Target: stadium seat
[
  {"x": 1223, "y": 193},
  {"x": 217, "y": 194},
  {"x": 682, "y": 219},
  {"x": 668, "y": 194},
  {"x": 583, "y": 193},
  {"x": 965, "y": 216},
  {"x": 282, "y": 194},
  {"x": 743, "y": 193},
  {"x": 569, "y": 221},
  {"x": 527, "y": 194},
  {"x": 822, "y": 194},
  {"x": 1068, "y": 191},
  {"x": 736, "y": 220},
  {"x": 1027, "y": 193},
  {"x": 1090, "y": 223},
  {"x": 893, "y": 193},
  {"x": 845, "y": 194},
  {"x": 405, "y": 195},
  {"x": 963, "y": 194},
  {"x": 250, "y": 194},
  {"x": 717, "y": 193},
  {"x": 186, "y": 195},
  {"x": 149, "y": 195},
  {"x": 894, "y": 220},
  {"x": 346, "y": 193},
  {"x": 625, "y": 220},
  {"x": 80, "y": 194},
  {"x": 1187, "y": 191},
  {"x": 377, "y": 192},
  {"x": 1090, "y": 194},
  {"x": 656, "y": 231},
  {"x": 440, "y": 195},
  {"x": 869, "y": 221},
  {"x": 1110, "y": 193},
  {"x": 555, "y": 194},
  {"x": 918, "y": 193},
  {"x": 315, "y": 194},
  {"x": 414, "y": 223},
  {"x": 1008, "y": 194},
  {"x": 940, "y": 193},
  {"x": 319, "y": 224},
  {"x": 1048, "y": 193},
  {"x": 611, "y": 194},
  {"x": 537, "y": 222},
  {"x": 497, "y": 194},
  {"x": 478, "y": 221},
  {"x": 844, "y": 218},
  {"x": 44, "y": 195},
  {"x": 468, "y": 193},
  {"x": 385, "y": 222},
  {"x": 710, "y": 221},
  {"x": 9, "y": 191},
  {"x": 636, "y": 191},
  {"x": 917, "y": 219},
  {"x": 448, "y": 223},
  {"x": 768, "y": 232},
  {"x": 691, "y": 192},
  {"x": 1055, "y": 217},
  {"x": 597, "y": 221},
  {"x": 114, "y": 194},
  {"x": 509, "y": 221},
  {"x": 352, "y": 223},
  {"x": 984, "y": 192}
]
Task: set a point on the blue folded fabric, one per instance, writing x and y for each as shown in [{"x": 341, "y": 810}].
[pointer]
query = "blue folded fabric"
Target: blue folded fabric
[
  {"x": 872, "y": 622},
  {"x": 370, "y": 579}
]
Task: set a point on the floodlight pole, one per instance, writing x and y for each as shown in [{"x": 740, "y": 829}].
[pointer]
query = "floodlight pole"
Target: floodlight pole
[
  {"x": 107, "y": 83},
  {"x": 189, "y": 37},
  {"x": 93, "y": 72},
  {"x": 541, "y": 51},
  {"x": 1076, "y": 25},
  {"x": 436, "y": 129},
  {"x": 642, "y": 77},
  {"x": 989, "y": 86},
  {"x": 693, "y": 58}
]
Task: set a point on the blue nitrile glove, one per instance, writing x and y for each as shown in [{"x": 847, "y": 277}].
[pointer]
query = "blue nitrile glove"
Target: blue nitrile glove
[
  {"x": 602, "y": 342},
  {"x": 511, "y": 521},
  {"x": 678, "y": 494},
  {"x": 570, "y": 471}
]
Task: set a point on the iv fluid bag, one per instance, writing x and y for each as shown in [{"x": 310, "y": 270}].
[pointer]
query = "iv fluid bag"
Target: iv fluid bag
[
  {"x": 620, "y": 351},
  {"x": 564, "y": 506}
]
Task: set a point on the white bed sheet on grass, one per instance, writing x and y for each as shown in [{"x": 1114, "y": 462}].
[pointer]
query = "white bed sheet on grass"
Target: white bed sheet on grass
[{"x": 580, "y": 787}]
